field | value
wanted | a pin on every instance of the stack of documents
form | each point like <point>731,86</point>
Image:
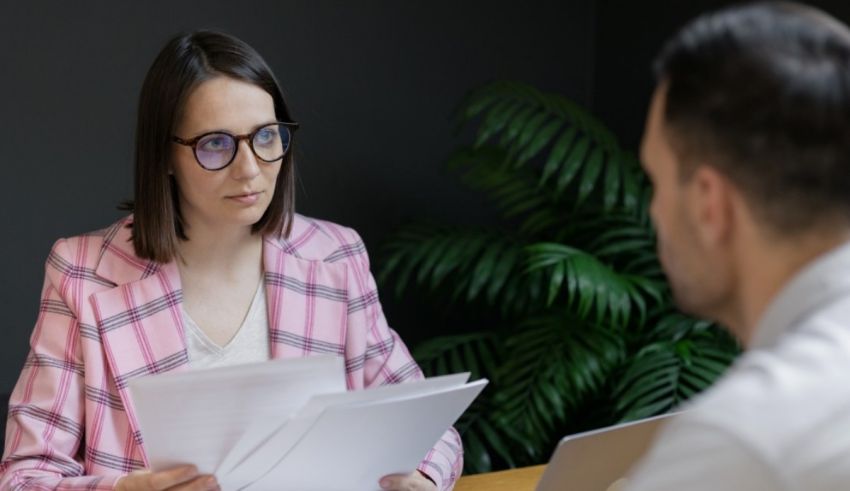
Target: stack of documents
<point>290,424</point>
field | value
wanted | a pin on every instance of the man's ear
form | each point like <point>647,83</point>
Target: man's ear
<point>710,200</point>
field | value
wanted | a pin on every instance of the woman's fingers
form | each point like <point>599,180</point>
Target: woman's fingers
<point>172,477</point>
<point>183,478</point>
<point>200,483</point>
<point>411,482</point>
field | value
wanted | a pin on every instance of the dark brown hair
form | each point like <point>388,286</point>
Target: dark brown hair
<point>763,91</point>
<point>185,62</point>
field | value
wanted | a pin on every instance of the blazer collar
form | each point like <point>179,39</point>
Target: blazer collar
<point>119,263</point>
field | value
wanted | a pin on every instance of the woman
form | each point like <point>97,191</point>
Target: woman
<point>212,268</point>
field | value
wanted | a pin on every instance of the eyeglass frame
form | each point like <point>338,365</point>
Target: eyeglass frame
<point>291,126</point>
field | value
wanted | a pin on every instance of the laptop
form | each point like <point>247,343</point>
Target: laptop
<point>599,460</point>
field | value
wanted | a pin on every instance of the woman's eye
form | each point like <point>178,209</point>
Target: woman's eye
<point>216,143</point>
<point>265,136</point>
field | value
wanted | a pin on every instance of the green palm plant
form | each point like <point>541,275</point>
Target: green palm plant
<point>586,333</point>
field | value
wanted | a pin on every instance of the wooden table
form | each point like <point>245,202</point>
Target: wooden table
<point>523,479</point>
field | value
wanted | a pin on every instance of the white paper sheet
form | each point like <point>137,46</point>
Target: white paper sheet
<point>291,424</point>
<point>349,447</point>
<point>264,444</point>
<point>197,417</point>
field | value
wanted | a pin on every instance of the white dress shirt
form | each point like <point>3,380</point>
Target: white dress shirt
<point>780,417</point>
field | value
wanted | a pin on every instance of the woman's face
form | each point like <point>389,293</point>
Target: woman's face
<point>238,195</point>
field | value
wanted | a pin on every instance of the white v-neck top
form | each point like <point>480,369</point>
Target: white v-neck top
<point>249,344</point>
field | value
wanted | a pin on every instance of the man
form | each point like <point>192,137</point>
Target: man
<point>748,148</point>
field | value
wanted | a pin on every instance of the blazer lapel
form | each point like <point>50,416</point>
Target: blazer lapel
<point>307,300</point>
<point>140,320</point>
<point>141,325</point>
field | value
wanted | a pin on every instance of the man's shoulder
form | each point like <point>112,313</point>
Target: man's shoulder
<point>784,401</point>
<point>766,385</point>
<point>779,419</point>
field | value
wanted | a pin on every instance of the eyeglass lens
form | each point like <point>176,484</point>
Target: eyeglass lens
<point>269,144</point>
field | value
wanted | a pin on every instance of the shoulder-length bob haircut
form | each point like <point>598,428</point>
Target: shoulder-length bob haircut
<point>183,64</point>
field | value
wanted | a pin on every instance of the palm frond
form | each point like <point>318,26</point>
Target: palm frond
<point>486,442</point>
<point>468,265</point>
<point>571,146</point>
<point>481,354</point>
<point>478,353</point>
<point>432,253</point>
<point>514,191</point>
<point>688,357</point>
<point>555,362</point>
<point>590,285</point>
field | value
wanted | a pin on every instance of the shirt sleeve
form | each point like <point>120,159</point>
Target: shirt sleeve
<point>388,361</point>
<point>700,456</point>
<point>45,427</point>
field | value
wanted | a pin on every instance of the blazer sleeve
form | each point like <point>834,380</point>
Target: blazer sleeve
<point>388,361</point>
<point>46,420</point>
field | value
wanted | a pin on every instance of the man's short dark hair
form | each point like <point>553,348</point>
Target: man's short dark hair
<point>762,92</point>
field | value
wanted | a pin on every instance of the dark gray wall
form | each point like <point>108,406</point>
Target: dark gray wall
<point>373,83</point>
<point>628,35</point>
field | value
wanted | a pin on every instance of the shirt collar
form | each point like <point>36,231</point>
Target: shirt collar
<point>820,282</point>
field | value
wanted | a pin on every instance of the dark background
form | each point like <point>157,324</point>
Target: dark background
<point>373,84</point>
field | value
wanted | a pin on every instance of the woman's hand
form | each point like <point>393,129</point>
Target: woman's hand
<point>414,481</point>
<point>183,478</point>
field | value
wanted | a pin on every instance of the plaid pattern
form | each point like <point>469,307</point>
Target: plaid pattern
<point>107,316</point>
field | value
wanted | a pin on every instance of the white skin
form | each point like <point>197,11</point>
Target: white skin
<point>722,261</point>
<point>221,263</point>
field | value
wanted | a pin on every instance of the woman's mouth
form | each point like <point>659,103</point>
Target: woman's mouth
<point>246,198</point>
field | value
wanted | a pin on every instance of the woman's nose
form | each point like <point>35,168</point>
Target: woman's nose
<point>245,165</point>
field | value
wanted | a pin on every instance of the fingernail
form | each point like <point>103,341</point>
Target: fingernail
<point>211,484</point>
<point>385,484</point>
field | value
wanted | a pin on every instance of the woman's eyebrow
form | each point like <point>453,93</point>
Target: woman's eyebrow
<point>265,124</point>
<point>225,130</point>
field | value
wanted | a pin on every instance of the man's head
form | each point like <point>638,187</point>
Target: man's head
<point>748,139</point>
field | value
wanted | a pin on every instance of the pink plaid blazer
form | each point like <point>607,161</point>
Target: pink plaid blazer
<point>107,316</point>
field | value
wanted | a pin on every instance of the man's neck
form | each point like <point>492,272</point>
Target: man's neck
<point>765,266</point>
